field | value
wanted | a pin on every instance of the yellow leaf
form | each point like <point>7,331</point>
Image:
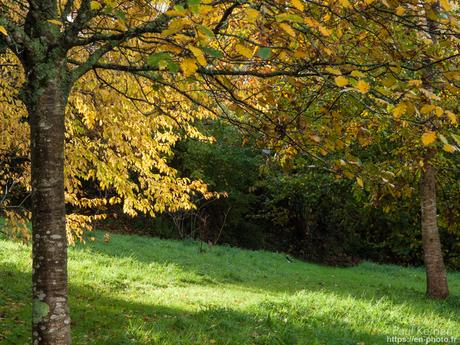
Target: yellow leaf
<point>360,182</point>
<point>427,108</point>
<point>288,29</point>
<point>399,110</point>
<point>54,22</point>
<point>199,55</point>
<point>339,33</point>
<point>448,148</point>
<point>3,30</point>
<point>363,87</point>
<point>324,31</point>
<point>389,81</point>
<point>176,13</point>
<point>327,51</point>
<point>345,3</point>
<point>298,4</point>
<point>415,82</point>
<point>341,81</point>
<point>455,75</point>
<point>334,71</point>
<point>428,138</point>
<point>95,5</point>
<point>357,74</point>
<point>175,26</point>
<point>300,53</point>
<point>439,111</point>
<point>400,10</point>
<point>395,69</point>
<point>311,22</point>
<point>446,5</point>
<point>244,51</point>
<point>188,66</point>
<point>452,117</point>
<point>205,9</point>
<point>252,14</point>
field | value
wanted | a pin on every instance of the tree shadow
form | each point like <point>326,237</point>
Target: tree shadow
<point>272,273</point>
<point>285,313</point>
<point>100,320</point>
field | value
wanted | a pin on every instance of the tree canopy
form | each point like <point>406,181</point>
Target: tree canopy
<point>116,84</point>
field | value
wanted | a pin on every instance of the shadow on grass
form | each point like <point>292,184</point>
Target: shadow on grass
<point>252,271</point>
<point>99,320</point>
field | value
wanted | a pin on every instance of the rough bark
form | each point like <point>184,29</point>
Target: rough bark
<point>45,95</point>
<point>436,277</point>
<point>46,101</point>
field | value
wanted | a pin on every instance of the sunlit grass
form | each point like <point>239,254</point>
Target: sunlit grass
<point>137,290</point>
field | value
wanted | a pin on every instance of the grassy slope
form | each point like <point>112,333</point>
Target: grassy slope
<point>138,290</point>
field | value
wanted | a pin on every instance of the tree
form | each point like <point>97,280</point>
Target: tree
<point>421,108</point>
<point>58,44</point>
<point>46,37</point>
<point>389,75</point>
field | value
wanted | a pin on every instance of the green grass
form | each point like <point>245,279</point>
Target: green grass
<point>137,290</point>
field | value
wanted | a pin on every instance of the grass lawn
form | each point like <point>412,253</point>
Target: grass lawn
<point>137,290</point>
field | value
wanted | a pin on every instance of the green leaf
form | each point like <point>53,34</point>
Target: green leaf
<point>179,8</point>
<point>173,67</point>
<point>286,17</point>
<point>154,60</point>
<point>205,30</point>
<point>443,139</point>
<point>456,138</point>
<point>194,5</point>
<point>121,15</point>
<point>212,52</point>
<point>264,52</point>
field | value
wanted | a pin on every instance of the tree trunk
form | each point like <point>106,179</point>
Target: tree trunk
<point>46,101</point>
<point>436,277</point>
